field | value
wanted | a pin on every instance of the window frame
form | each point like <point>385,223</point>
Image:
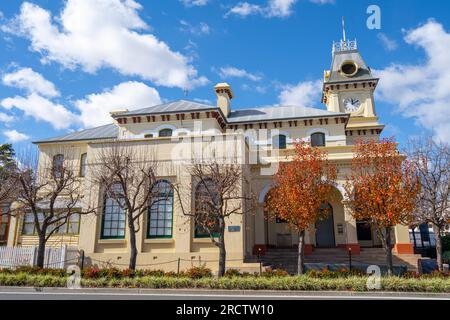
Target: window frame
<point>198,235</point>
<point>149,213</point>
<point>165,130</point>
<point>102,231</point>
<point>64,226</point>
<point>4,237</point>
<point>276,142</point>
<point>315,134</point>
<point>57,167</point>
<point>83,165</point>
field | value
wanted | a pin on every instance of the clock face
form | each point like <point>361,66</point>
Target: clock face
<point>351,104</point>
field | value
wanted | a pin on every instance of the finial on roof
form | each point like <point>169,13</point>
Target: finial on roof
<point>343,28</point>
<point>344,44</point>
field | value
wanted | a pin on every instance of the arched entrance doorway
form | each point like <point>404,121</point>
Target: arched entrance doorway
<point>277,232</point>
<point>325,229</point>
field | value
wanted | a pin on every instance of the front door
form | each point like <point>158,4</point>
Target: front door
<point>325,232</point>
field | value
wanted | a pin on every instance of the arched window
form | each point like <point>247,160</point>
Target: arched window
<point>165,133</point>
<point>113,222</point>
<point>318,139</point>
<point>58,162</point>
<point>279,141</point>
<point>160,213</point>
<point>83,164</point>
<point>206,196</point>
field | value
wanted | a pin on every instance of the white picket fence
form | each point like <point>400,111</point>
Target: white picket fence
<point>55,257</point>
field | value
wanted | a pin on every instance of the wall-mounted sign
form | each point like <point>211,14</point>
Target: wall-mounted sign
<point>340,228</point>
<point>234,228</point>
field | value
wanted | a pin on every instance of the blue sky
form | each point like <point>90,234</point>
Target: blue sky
<point>66,64</point>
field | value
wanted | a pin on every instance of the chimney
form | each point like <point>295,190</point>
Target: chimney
<point>116,112</point>
<point>224,96</point>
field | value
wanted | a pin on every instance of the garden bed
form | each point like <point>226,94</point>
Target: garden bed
<point>273,280</point>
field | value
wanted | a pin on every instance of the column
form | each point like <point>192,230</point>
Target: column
<point>308,242</point>
<point>260,246</point>
<point>350,232</point>
<point>402,243</point>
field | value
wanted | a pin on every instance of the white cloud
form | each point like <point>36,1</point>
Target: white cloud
<point>422,91</point>
<point>41,109</point>
<point>200,29</point>
<point>194,3</point>
<point>6,118</point>
<point>15,136</point>
<point>388,43</point>
<point>271,9</point>
<point>305,94</point>
<point>232,72</point>
<point>94,34</point>
<point>31,81</point>
<point>280,8</point>
<point>244,9</point>
<point>322,1</point>
<point>95,107</point>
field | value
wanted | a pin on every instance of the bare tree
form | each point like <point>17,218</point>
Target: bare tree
<point>432,163</point>
<point>219,193</point>
<point>51,193</point>
<point>127,175</point>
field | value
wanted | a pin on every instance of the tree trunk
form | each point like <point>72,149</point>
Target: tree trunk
<point>437,237</point>
<point>388,249</point>
<point>301,253</point>
<point>222,251</point>
<point>41,251</point>
<point>133,249</point>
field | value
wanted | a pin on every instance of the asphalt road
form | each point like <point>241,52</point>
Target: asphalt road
<point>14,293</point>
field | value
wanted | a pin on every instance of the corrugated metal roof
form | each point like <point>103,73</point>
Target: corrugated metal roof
<point>173,106</point>
<point>109,131</point>
<point>278,112</point>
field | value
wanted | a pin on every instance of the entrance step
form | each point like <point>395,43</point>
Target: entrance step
<point>286,258</point>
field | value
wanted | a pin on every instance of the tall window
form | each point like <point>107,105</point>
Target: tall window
<point>28,224</point>
<point>113,223</point>
<point>83,165</point>
<point>318,139</point>
<point>4,222</point>
<point>58,162</point>
<point>205,196</point>
<point>279,142</point>
<point>165,133</point>
<point>160,213</point>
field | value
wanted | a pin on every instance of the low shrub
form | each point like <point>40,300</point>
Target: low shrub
<point>233,273</point>
<point>342,273</point>
<point>91,273</point>
<point>275,273</point>
<point>299,283</point>
<point>198,272</point>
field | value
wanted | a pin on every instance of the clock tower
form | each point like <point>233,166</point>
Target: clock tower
<point>349,87</point>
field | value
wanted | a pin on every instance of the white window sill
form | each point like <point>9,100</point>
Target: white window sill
<point>161,240</point>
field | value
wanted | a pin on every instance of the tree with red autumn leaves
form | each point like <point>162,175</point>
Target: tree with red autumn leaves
<point>303,184</point>
<point>382,189</point>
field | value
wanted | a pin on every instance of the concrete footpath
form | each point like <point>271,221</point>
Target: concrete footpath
<point>29,293</point>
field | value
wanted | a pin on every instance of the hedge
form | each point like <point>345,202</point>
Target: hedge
<point>302,283</point>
